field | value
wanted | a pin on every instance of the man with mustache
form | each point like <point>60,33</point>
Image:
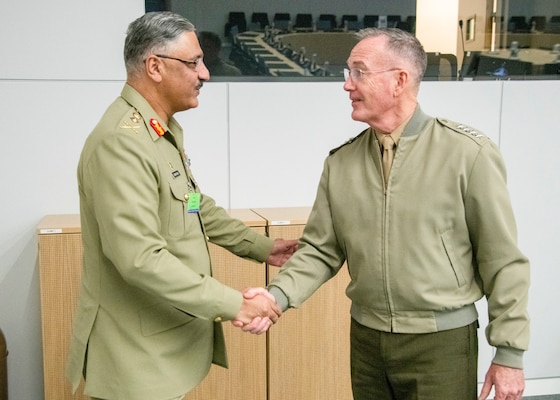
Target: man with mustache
<point>148,323</point>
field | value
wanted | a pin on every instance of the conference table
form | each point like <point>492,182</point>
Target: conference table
<point>328,50</point>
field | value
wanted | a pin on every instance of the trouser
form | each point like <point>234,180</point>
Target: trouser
<point>431,366</point>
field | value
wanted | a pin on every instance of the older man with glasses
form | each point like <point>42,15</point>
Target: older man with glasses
<point>419,210</point>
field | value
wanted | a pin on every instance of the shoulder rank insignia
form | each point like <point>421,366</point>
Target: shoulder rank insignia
<point>348,142</point>
<point>462,128</point>
<point>135,118</point>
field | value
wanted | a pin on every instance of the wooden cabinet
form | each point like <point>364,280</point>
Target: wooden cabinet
<point>309,347</point>
<point>60,268</point>
<point>304,356</point>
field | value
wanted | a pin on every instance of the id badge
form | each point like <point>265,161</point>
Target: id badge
<point>193,204</point>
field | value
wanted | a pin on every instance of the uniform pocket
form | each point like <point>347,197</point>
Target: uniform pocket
<point>161,317</point>
<point>447,239</point>
<point>177,208</point>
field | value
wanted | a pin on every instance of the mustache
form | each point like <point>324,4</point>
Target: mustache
<point>200,84</point>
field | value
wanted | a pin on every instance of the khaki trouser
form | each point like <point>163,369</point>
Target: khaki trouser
<point>432,366</point>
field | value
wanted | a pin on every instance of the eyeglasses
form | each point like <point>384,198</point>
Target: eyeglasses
<point>192,64</point>
<point>357,74</point>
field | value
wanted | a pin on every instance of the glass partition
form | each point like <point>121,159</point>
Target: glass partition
<point>259,40</point>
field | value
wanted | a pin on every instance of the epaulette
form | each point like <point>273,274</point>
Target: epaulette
<point>347,142</point>
<point>131,121</point>
<point>463,129</point>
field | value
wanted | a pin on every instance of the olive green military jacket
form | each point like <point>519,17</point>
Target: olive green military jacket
<point>147,319</point>
<point>422,253</point>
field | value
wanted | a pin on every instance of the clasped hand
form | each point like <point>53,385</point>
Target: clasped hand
<point>258,311</point>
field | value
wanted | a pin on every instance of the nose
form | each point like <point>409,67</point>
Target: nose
<point>348,84</point>
<point>203,73</point>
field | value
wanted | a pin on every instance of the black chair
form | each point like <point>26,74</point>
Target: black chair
<point>539,23</point>
<point>237,19</point>
<point>441,67</point>
<point>282,21</point>
<point>553,26</point>
<point>393,20</point>
<point>518,23</point>
<point>411,20</point>
<point>326,22</point>
<point>347,18</point>
<point>303,22</point>
<point>260,19</point>
<point>552,69</point>
<point>370,21</point>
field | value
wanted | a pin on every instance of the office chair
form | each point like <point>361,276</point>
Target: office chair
<point>552,69</point>
<point>393,20</point>
<point>519,24</point>
<point>303,21</point>
<point>261,19</point>
<point>347,18</point>
<point>539,22</point>
<point>370,21</point>
<point>326,22</point>
<point>282,21</point>
<point>237,19</point>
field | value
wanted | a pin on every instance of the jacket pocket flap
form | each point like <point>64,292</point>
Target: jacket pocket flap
<point>162,317</point>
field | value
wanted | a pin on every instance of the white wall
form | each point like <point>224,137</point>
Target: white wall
<point>251,145</point>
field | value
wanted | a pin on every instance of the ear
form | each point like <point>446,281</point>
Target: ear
<point>154,68</point>
<point>402,81</point>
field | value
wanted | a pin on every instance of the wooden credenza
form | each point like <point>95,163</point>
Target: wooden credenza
<point>60,271</point>
<point>305,356</point>
<point>309,347</point>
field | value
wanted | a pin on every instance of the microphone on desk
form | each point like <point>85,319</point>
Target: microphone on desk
<point>461,72</point>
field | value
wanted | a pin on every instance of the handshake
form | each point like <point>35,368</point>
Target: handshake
<point>258,311</point>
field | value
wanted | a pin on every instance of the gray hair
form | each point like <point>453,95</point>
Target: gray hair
<point>152,33</point>
<point>402,44</point>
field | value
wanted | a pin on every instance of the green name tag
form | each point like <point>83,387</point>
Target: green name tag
<point>193,204</point>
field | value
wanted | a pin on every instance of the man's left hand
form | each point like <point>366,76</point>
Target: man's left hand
<point>281,252</point>
<point>509,383</point>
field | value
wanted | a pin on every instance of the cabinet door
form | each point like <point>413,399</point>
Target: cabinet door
<point>246,376</point>
<point>309,347</point>
<point>60,268</point>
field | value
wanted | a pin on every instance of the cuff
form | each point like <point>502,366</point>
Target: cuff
<point>509,357</point>
<point>261,246</point>
<point>281,298</point>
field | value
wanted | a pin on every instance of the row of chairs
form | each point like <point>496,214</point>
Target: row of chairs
<point>520,24</point>
<point>304,21</point>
